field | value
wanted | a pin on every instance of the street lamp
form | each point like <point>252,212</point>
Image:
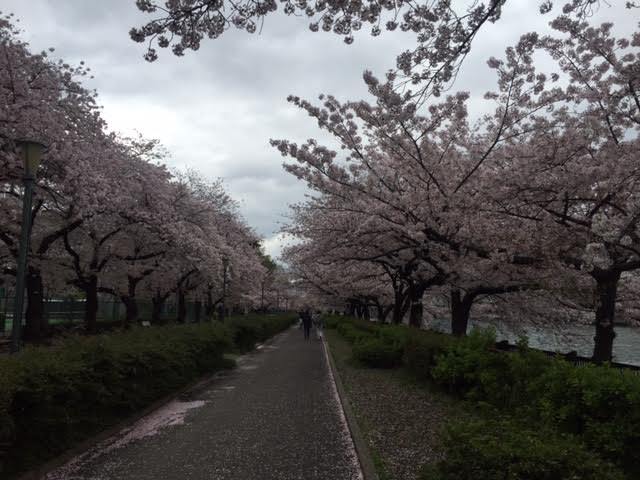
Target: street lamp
<point>31,153</point>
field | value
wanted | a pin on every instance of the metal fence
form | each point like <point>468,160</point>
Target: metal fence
<point>71,311</point>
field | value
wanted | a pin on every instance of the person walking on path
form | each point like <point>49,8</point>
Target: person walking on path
<point>305,315</point>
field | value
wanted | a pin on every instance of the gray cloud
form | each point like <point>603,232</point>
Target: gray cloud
<point>217,108</point>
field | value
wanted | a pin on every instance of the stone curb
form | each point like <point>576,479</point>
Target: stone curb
<point>364,455</point>
<point>40,472</point>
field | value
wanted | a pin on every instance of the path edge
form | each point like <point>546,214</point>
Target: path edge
<point>40,472</point>
<point>362,450</point>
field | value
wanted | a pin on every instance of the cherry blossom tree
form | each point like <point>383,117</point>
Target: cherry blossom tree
<point>42,99</point>
<point>108,217</point>
<point>574,174</point>
<point>444,30</point>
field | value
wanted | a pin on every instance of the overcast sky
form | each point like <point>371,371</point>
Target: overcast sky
<point>216,109</point>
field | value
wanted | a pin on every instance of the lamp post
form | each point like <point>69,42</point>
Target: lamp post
<point>31,152</point>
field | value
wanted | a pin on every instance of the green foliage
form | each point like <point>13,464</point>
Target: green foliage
<point>352,333</point>
<point>472,368</point>
<point>53,397</point>
<point>506,449</point>
<point>250,329</point>
<point>332,321</point>
<point>599,403</point>
<point>421,350</point>
<point>377,353</point>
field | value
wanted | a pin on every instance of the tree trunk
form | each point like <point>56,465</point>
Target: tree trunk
<point>400,306</point>
<point>210,308</point>
<point>131,310</point>
<point>366,314</point>
<point>606,291</point>
<point>36,326</point>
<point>91,304</point>
<point>182,307</point>
<point>415,313</point>
<point>157,304</point>
<point>383,313</point>
<point>197,310</point>
<point>460,309</point>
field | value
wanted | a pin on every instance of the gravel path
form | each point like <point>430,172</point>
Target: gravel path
<point>400,419</point>
<point>274,417</point>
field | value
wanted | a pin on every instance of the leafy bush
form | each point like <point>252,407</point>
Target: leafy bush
<point>395,335</point>
<point>248,330</point>
<point>332,321</point>
<point>377,353</point>
<point>599,403</point>
<point>505,449</point>
<point>351,333</point>
<point>53,397</point>
<point>421,351</point>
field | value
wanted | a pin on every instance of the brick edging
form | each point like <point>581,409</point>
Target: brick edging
<point>362,450</point>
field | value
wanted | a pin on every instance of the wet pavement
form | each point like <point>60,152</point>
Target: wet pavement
<point>276,416</point>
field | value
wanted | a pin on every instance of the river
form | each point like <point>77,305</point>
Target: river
<point>626,346</point>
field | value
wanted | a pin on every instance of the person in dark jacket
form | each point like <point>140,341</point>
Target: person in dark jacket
<point>305,316</point>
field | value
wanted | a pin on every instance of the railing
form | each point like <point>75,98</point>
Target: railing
<point>66,311</point>
<point>572,357</point>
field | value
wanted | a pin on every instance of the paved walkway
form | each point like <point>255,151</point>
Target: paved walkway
<point>277,416</point>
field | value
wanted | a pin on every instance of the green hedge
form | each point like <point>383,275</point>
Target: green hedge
<point>505,449</point>
<point>600,404</point>
<point>250,329</point>
<point>53,397</point>
<point>376,353</point>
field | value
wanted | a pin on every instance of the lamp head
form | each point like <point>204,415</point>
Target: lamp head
<point>31,153</point>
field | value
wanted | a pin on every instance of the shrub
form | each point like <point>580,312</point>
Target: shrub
<point>506,449</point>
<point>332,321</point>
<point>394,335</point>
<point>421,351</point>
<point>351,333</point>
<point>462,365</point>
<point>248,330</point>
<point>599,403</point>
<point>375,352</point>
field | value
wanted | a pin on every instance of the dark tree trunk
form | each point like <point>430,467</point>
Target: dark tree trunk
<point>606,292</point>
<point>383,313</point>
<point>130,302</point>
<point>91,305</point>
<point>182,307</point>
<point>400,306</point>
<point>36,326</point>
<point>416,293</point>
<point>197,310</point>
<point>157,305</point>
<point>366,314</point>
<point>131,310</point>
<point>460,309</point>
<point>210,307</point>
